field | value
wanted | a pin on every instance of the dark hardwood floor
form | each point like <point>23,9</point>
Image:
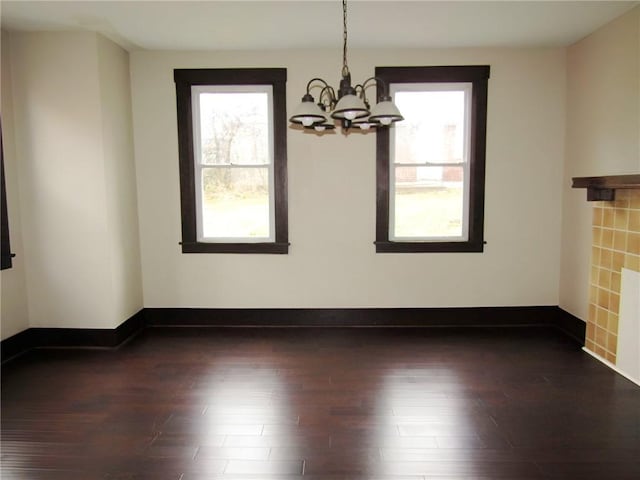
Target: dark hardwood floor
<point>320,404</point>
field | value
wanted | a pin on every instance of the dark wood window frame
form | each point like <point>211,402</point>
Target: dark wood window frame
<point>276,78</point>
<point>478,76</point>
<point>5,252</point>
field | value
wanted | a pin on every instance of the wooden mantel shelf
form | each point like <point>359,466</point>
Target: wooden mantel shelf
<point>604,188</point>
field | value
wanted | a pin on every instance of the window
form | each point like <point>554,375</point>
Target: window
<point>5,253</point>
<point>233,163</point>
<point>431,166</point>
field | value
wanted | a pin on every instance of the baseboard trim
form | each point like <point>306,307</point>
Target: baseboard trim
<point>570,325</point>
<point>17,344</point>
<point>463,317</point>
<point>130,328</point>
<point>350,317</point>
<point>71,337</point>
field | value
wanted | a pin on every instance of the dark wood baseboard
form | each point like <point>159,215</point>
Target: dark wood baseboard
<point>17,344</point>
<point>71,337</point>
<point>350,317</point>
<point>129,329</point>
<point>528,316</point>
<point>570,325</point>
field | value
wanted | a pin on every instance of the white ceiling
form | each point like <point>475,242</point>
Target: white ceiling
<point>215,25</point>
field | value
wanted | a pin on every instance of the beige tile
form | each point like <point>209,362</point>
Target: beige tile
<point>606,238</point>
<point>607,217</point>
<point>621,219</point>
<point>601,337</point>
<point>610,357</point>
<point>596,236</point>
<point>590,344</point>
<point>604,279</point>
<point>617,261</point>
<point>614,303</point>
<point>603,298</point>
<point>593,279</point>
<point>634,199</point>
<point>597,216</point>
<point>595,255</point>
<point>634,221</point>
<point>612,343</point>
<point>633,243</point>
<point>616,278</point>
<point>593,294</point>
<point>606,257</point>
<point>591,330</point>
<point>602,317</point>
<point>632,262</point>
<point>619,240</point>
<point>613,323</point>
<point>600,351</point>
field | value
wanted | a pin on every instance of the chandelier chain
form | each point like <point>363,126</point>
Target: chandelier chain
<point>345,67</point>
<point>346,104</point>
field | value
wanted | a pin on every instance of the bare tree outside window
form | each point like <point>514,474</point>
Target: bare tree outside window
<point>235,133</point>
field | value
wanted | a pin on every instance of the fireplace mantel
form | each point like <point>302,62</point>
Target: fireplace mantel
<point>604,188</point>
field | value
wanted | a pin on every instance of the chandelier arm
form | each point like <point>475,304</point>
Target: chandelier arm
<point>331,95</point>
<point>380,82</point>
<point>363,94</point>
<point>317,79</point>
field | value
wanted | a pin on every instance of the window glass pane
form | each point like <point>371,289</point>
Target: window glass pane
<point>428,202</point>
<point>235,203</point>
<point>234,128</point>
<point>433,128</point>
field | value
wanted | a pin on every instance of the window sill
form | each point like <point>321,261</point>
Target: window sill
<point>426,247</point>
<point>269,248</point>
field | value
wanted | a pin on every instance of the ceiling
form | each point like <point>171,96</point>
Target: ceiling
<point>240,25</point>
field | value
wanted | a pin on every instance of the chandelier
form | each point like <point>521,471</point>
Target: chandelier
<point>349,105</point>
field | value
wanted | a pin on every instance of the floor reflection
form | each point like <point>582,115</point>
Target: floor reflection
<point>249,406</point>
<point>431,410</point>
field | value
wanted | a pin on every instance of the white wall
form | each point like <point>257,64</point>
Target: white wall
<point>77,199</point>
<point>603,137</point>
<point>120,179</point>
<point>332,260</point>
<point>14,315</point>
<point>59,145</point>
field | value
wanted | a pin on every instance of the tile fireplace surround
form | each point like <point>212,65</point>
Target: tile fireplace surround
<point>615,245</point>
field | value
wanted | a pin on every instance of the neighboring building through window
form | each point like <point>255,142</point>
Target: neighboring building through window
<point>233,165</point>
<point>431,166</point>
